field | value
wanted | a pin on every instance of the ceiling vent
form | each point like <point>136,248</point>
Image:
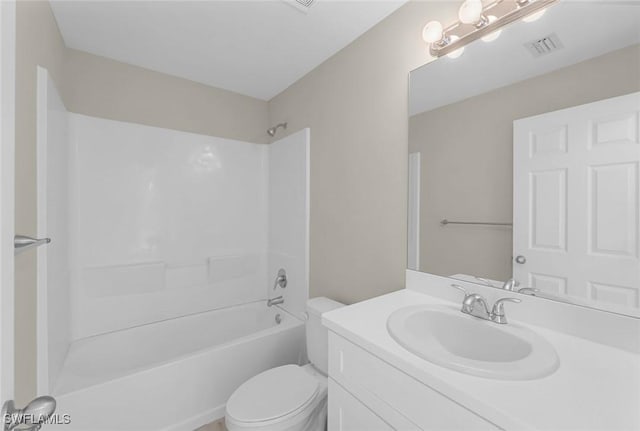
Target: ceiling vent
<point>301,5</point>
<point>544,46</point>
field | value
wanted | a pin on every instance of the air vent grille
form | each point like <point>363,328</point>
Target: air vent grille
<point>305,3</point>
<point>301,5</point>
<point>544,46</point>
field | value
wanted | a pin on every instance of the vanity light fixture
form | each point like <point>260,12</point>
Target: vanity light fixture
<point>492,36</point>
<point>471,13</point>
<point>477,21</point>
<point>534,16</point>
<point>458,52</point>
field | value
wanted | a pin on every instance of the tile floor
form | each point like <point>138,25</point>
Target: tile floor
<point>214,426</point>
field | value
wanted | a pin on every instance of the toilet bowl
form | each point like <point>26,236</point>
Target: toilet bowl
<point>290,397</point>
<point>287,398</point>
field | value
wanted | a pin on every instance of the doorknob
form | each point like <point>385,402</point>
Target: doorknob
<point>521,259</point>
<point>36,413</point>
<point>23,242</point>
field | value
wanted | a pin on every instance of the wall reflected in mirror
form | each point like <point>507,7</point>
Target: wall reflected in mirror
<point>524,159</point>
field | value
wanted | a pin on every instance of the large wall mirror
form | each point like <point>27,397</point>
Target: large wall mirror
<point>524,159</point>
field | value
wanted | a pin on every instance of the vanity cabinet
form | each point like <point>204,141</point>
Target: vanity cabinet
<point>366,393</point>
<point>347,413</point>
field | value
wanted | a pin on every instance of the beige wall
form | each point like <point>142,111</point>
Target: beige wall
<point>106,88</point>
<point>356,105</point>
<point>100,87</point>
<point>467,171</point>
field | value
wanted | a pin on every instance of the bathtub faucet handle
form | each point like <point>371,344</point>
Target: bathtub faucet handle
<point>281,279</point>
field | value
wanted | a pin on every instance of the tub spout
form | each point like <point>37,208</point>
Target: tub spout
<point>275,301</point>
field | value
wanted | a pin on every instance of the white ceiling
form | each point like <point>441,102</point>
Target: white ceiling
<point>256,48</point>
<point>586,28</point>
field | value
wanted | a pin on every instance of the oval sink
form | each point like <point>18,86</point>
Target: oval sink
<point>447,337</point>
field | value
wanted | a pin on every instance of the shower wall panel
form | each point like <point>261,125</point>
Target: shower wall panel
<point>165,224</point>
<point>289,218</point>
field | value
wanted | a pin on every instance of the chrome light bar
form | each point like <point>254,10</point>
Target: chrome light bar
<point>487,20</point>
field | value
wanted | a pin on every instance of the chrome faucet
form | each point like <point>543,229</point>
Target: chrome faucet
<point>475,305</point>
<point>275,301</point>
<point>497,312</point>
<point>510,284</point>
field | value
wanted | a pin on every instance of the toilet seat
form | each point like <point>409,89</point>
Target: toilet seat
<point>273,396</point>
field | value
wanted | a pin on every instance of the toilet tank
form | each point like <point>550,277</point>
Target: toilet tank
<point>318,335</point>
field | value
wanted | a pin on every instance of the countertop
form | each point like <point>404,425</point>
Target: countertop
<point>596,387</point>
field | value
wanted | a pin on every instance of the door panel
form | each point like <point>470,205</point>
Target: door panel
<point>548,210</point>
<point>613,217</point>
<point>577,203</point>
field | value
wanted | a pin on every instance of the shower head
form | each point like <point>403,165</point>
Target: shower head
<point>272,131</point>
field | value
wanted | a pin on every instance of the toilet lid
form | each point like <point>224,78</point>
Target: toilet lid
<point>272,394</point>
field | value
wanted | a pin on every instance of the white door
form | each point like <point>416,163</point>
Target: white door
<point>7,139</point>
<point>576,197</point>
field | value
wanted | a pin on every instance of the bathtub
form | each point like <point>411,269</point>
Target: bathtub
<point>174,375</point>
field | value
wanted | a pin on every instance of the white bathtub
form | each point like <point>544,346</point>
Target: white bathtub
<point>174,375</point>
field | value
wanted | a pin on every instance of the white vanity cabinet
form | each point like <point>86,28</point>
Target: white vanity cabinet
<point>347,413</point>
<point>366,393</point>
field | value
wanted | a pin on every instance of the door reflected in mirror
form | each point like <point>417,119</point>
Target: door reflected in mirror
<point>524,167</point>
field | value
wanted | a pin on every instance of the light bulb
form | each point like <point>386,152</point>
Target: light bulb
<point>534,17</point>
<point>492,36</point>
<point>458,52</point>
<point>432,32</point>
<point>470,11</point>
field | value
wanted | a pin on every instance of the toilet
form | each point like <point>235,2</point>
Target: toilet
<point>290,397</point>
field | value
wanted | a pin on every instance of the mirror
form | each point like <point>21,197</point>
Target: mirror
<point>524,159</point>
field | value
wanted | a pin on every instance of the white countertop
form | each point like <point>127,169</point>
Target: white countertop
<point>596,387</point>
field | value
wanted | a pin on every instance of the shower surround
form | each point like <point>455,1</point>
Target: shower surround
<point>165,247</point>
<point>175,222</point>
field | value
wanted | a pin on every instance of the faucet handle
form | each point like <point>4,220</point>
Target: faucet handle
<point>281,279</point>
<point>529,291</point>
<point>497,312</point>
<point>462,289</point>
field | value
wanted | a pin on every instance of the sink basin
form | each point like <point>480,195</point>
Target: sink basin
<point>447,337</point>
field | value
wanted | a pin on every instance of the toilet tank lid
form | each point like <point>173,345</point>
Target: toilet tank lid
<point>321,305</point>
